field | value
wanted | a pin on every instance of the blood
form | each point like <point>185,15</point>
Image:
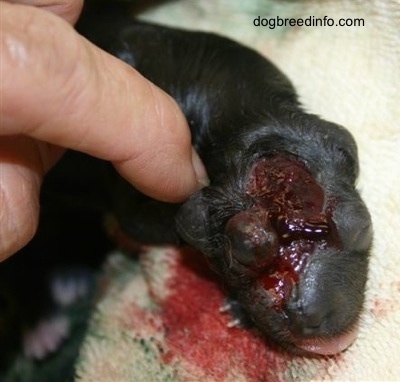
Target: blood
<point>280,278</point>
<point>199,338</point>
<point>286,188</point>
<point>297,210</point>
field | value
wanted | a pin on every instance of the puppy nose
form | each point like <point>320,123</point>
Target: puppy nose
<point>307,321</point>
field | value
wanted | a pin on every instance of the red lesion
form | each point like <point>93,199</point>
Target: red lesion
<point>286,188</point>
<point>283,275</point>
<point>297,211</point>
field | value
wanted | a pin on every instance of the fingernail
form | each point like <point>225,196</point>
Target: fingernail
<point>199,169</point>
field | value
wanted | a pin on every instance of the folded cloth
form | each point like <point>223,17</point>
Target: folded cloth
<point>159,317</point>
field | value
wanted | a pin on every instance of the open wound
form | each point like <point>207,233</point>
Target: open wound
<point>289,219</point>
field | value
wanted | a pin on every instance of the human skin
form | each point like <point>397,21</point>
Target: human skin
<point>60,91</point>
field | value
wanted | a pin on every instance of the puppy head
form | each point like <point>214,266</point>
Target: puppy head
<point>293,254</point>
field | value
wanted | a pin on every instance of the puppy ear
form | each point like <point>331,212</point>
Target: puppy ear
<point>354,224</point>
<point>192,222</point>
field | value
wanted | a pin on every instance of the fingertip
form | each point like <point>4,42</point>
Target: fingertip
<point>164,176</point>
<point>185,178</point>
<point>164,165</point>
<point>160,160</point>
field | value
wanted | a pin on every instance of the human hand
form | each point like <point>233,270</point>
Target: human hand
<point>60,91</point>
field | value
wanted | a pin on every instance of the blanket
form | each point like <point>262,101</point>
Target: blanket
<point>159,317</point>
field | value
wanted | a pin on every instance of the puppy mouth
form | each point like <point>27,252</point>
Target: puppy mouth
<point>327,346</point>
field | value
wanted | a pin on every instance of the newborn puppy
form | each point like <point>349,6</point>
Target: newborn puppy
<point>281,222</point>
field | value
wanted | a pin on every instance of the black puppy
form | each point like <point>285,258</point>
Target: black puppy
<point>281,221</point>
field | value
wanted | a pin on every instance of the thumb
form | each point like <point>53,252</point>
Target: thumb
<point>77,96</point>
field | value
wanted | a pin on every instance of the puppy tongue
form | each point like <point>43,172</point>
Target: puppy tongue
<point>328,346</point>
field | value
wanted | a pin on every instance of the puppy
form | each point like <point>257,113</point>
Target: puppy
<point>281,221</point>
